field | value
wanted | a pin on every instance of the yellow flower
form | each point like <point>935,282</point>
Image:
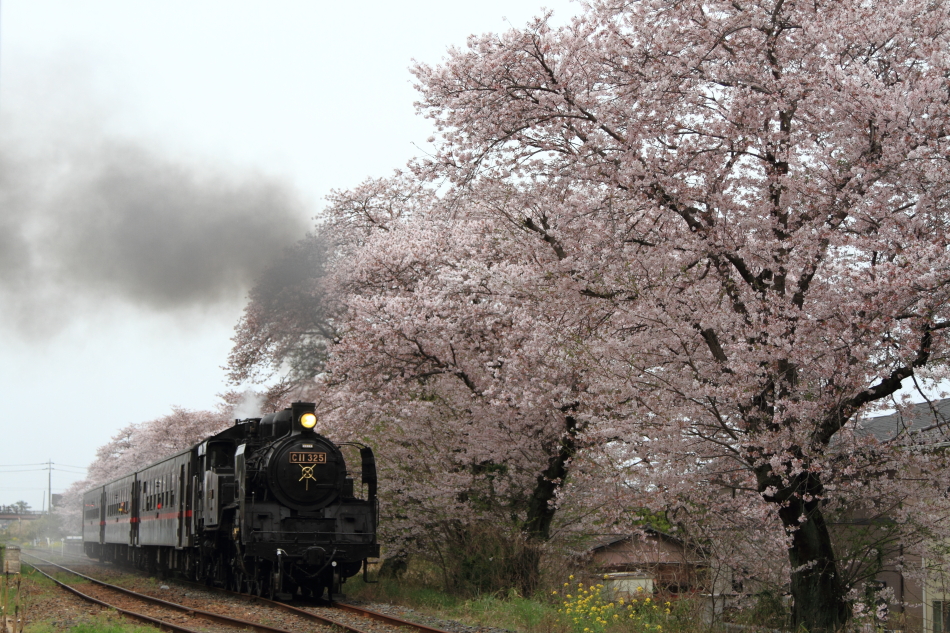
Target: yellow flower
<point>571,577</point>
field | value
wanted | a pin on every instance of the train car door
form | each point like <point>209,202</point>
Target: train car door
<point>102,517</point>
<point>181,506</point>
<point>189,500</point>
<point>134,509</point>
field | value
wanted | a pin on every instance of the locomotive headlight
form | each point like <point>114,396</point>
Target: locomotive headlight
<point>308,420</point>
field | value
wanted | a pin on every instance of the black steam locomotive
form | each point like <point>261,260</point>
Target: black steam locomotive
<point>265,507</point>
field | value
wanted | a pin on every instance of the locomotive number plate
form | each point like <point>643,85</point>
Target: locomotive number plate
<point>308,458</point>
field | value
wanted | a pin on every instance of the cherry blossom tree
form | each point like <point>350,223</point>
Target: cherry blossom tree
<point>281,338</point>
<point>446,359</point>
<point>139,444</point>
<point>745,203</point>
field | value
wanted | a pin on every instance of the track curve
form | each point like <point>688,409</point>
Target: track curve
<point>352,610</point>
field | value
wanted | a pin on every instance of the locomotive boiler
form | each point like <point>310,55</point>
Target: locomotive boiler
<point>267,506</point>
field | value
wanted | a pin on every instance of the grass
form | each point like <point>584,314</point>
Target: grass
<point>572,608</point>
<point>511,612</point>
<point>41,589</point>
<point>102,623</point>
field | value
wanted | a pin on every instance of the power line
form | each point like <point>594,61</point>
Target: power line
<point>19,488</point>
<point>43,464</point>
<point>44,468</point>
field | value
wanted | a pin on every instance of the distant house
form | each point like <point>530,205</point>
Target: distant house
<point>929,420</point>
<point>647,561</point>
<point>917,607</point>
<point>656,561</point>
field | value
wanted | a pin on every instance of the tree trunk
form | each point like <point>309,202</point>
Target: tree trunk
<point>819,595</point>
<point>540,514</point>
<point>540,510</point>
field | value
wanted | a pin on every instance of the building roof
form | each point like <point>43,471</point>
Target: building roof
<point>594,542</point>
<point>925,422</point>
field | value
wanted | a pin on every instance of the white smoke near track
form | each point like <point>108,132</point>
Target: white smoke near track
<point>249,406</point>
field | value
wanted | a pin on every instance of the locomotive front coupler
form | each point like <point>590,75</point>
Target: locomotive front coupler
<point>316,555</point>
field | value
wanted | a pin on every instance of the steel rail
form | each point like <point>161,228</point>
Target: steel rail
<point>342,606</point>
<point>141,617</point>
<point>349,608</point>
<point>388,619</point>
<point>207,615</point>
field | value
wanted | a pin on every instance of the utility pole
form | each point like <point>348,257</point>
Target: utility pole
<point>49,485</point>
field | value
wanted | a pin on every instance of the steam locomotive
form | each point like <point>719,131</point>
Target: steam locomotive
<point>266,506</point>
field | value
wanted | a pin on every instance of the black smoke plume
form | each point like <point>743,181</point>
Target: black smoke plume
<point>82,227</point>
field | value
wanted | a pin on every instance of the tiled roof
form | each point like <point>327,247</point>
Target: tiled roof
<point>911,421</point>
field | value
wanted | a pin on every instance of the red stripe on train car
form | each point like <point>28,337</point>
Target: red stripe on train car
<point>162,516</point>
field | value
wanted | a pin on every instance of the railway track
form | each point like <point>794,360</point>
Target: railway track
<point>348,617</point>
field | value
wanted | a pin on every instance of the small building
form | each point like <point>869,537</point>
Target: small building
<point>11,560</point>
<point>648,561</point>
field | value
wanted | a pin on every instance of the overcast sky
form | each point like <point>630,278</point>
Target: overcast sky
<point>153,156</point>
